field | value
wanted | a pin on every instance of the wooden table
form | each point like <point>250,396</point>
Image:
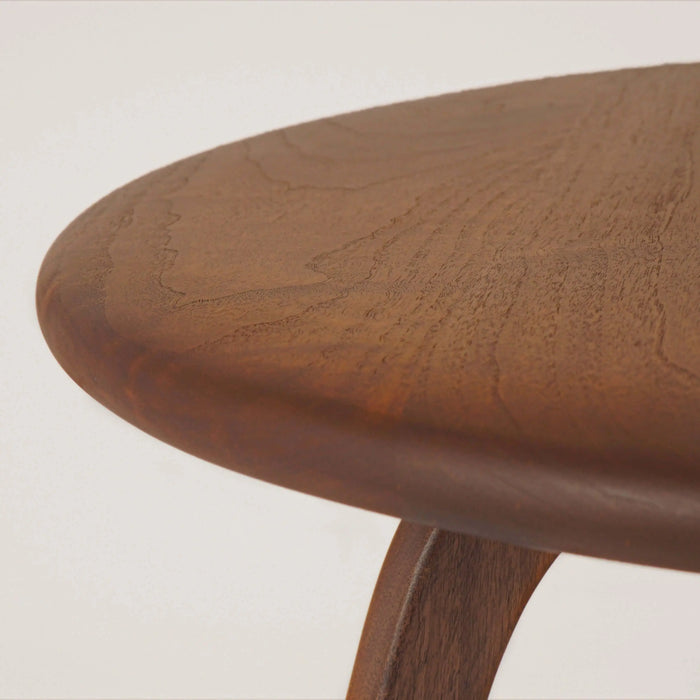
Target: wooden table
<point>479,312</point>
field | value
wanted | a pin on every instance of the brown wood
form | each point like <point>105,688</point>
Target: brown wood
<point>443,610</point>
<point>478,311</point>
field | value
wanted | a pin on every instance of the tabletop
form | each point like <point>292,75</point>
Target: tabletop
<point>479,311</point>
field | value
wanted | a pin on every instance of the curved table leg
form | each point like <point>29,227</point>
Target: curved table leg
<point>443,610</point>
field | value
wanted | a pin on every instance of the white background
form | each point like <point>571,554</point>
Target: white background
<point>130,569</point>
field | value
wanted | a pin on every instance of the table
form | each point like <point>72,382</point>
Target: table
<point>479,312</point>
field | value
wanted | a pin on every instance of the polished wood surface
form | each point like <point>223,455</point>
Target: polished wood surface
<point>443,610</point>
<point>478,311</point>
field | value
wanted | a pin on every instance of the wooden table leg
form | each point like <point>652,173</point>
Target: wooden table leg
<point>443,610</point>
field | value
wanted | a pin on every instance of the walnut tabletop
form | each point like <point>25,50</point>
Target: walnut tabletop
<point>478,311</point>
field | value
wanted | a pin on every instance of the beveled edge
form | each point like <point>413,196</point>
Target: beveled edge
<point>622,508</point>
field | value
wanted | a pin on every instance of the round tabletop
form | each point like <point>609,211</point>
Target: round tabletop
<point>479,311</point>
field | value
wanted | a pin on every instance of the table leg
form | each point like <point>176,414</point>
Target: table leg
<point>443,610</point>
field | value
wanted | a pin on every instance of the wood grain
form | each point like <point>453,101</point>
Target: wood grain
<point>478,311</point>
<point>443,610</point>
